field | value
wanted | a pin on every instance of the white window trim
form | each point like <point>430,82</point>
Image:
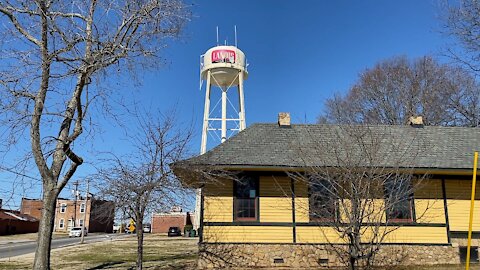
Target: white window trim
<point>80,222</point>
<point>61,224</point>
<point>62,209</point>
<point>82,208</point>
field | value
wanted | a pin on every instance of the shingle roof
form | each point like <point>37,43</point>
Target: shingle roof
<point>15,215</point>
<point>331,145</point>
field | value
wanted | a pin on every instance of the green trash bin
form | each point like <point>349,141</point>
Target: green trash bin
<point>192,233</point>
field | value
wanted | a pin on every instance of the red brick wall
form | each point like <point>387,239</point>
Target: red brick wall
<point>10,226</point>
<point>32,207</point>
<point>161,223</point>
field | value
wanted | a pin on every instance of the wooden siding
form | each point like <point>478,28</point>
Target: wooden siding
<point>458,202</point>
<point>275,199</point>
<point>218,202</point>
<point>402,235</point>
<point>418,235</point>
<point>247,234</point>
<point>301,202</point>
<point>275,205</point>
<point>429,204</point>
<point>314,234</point>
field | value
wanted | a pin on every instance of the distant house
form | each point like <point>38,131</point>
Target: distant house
<point>264,219</point>
<point>162,221</point>
<point>13,222</point>
<point>97,215</point>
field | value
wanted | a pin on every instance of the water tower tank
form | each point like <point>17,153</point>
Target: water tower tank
<point>224,63</point>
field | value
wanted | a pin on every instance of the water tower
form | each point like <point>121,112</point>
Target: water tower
<point>224,69</point>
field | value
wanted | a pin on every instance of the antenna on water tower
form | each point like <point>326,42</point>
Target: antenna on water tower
<point>223,68</point>
<point>236,36</point>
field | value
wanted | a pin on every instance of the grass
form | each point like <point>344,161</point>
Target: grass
<point>14,265</point>
<point>160,252</point>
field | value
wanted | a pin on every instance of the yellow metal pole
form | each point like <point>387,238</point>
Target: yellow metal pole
<point>474,180</point>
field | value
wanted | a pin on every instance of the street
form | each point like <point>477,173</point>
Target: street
<point>21,248</point>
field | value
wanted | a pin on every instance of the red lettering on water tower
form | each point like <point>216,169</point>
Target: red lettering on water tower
<point>224,56</point>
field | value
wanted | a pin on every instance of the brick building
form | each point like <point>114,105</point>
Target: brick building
<point>13,222</point>
<point>162,221</point>
<point>97,215</point>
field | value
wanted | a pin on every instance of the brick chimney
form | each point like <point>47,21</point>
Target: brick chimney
<point>284,119</point>
<point>415,121</point>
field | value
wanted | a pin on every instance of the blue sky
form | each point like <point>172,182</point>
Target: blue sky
<point>300,53</point>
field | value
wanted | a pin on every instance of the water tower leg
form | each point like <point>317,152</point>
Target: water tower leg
<point>224,114</point>
<point>206,115</point>
<point>241,100</point>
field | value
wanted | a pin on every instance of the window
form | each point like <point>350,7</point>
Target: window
<point>246,199</point>
<point>63,208</point>
<point>82,208</point>
<point>322,201</point>
<point>80,222</point>
<point>61,224</point>
<point>399,200</point>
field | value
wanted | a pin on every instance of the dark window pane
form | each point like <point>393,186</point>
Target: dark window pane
<point>246,195</point>
<point>398,199</point>
<point>322,200</point>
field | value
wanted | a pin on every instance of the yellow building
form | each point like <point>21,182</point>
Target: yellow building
<point>257,211</point>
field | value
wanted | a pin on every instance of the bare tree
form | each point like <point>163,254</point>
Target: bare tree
<point>396,89</point>
<point>361,188</point>
<point>51,52</point>
<point>461,21</point>
<point>143,181</point>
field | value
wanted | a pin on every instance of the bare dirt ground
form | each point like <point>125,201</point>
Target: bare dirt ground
<point>160,252</point>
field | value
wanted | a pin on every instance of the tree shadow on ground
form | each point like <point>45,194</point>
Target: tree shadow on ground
<point>105,265</point>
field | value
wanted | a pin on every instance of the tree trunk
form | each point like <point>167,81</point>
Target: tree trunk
<point>139,228</point>
<point>45,229</point>
<point>352,263</point>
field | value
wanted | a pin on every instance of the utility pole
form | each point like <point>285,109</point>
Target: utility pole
<point>75,203</point>
<point>84,214</point>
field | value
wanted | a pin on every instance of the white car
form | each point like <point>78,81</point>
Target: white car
<point>77,232</point>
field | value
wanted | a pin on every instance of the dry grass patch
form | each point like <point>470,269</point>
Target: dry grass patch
<point>160,252</point>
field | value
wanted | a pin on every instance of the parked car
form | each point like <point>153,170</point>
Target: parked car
<point>77,232</point>
<point>116,227</point>
<point>174,231</point>
<point>147,228</point>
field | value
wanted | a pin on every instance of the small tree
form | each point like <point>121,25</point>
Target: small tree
<point>142,181</point>
<point>51,53</point>
<point>360,186</point>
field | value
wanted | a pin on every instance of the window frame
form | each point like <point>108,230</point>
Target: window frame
<point>63,208</point>
<point>83,208</point>
<point>61,223</point>
<point>311,216</point>
<point>236,218</point>
<point>409,200</point>
<point>81,222</point>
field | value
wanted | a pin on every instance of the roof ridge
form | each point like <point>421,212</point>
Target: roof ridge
<point>362,125</point>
